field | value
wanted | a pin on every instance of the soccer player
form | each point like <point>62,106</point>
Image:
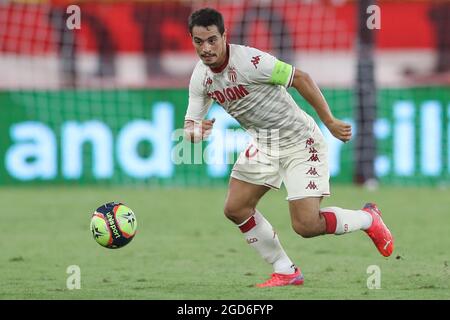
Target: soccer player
<point>287,146</point>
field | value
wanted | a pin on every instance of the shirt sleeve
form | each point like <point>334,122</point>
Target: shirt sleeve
<point>199,102</point>
<point>269,70</point>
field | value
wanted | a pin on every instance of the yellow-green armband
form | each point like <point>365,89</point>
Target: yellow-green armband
<point>282,74</point>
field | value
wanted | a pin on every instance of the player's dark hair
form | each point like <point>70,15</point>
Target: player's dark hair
<point>206,17</point>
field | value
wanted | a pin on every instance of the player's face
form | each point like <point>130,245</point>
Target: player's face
<point>210,45</point>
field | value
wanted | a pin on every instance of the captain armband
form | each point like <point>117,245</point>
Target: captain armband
<point>282,74</point>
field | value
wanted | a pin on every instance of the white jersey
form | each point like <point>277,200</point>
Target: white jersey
<point>251,87</point>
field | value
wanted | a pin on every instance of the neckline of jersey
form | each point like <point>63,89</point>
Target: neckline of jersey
<point>224,64</point>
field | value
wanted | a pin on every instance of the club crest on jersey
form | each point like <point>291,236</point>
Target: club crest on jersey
<point>207,82</point>
<point>232,74</point>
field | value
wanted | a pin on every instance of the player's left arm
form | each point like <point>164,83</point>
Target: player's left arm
<point>306,86</point>
<point>265,68</point>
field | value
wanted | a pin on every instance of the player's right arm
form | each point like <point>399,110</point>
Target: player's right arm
<point>197,131</point>
<point>195,127</point>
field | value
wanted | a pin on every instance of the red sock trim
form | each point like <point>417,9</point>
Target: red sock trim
<point>330,222</point>
<point>248,225</point>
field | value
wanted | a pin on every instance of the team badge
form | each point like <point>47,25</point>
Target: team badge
<point>207,82</point>
<point>232,74</point>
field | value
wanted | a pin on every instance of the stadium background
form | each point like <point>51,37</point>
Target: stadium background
<point>87,116</point>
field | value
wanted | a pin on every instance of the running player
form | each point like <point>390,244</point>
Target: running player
<point>288,146</point>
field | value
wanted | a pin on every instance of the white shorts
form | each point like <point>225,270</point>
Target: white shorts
<point>303,172</point>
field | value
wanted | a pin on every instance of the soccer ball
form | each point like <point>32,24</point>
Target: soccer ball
<point>113,225</point>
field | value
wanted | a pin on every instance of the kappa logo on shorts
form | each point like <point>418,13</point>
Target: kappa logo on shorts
<point>314,157</point>
<point>312,172</point>
<point>311,186</point>
<point>312,150</point>
<point>309,142</point>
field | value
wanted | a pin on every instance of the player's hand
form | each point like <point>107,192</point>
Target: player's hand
<point>197,131</point>
<point>340,129</point>
<point>207,126</point>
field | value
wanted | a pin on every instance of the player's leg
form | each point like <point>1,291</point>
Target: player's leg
<point>305,218</point>
<point>308,220</point>
<point>242,199</point>
<point>252,176</point>
<point>240,207</point>
<point>306,177</point>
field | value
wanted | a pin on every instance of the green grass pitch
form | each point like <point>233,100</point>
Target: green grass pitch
<point>186,249</point>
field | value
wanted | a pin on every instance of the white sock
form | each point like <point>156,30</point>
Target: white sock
<point>344,220</point>
<point>260,235</point>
